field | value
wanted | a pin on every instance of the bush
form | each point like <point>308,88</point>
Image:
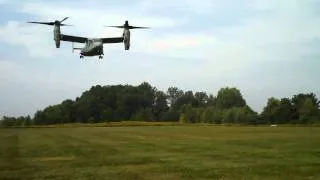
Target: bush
<point>144,115</point>
<point>170,116</point>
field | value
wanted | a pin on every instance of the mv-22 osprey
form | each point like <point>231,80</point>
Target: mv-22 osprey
<point>93,46</point>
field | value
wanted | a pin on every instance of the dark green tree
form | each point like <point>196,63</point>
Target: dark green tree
<point>299,100</point>
<point>308,112</point>
<point>201,99</point>
<point>212,101</point>
<point>173,94</point>
<point>108,115</point>
<point>144,114</point>
<point>7,121</point>
<point>188,114</point>
<point>285,111</point>
<point>185,99</point>
<point>229,98</point>
<point>271,111</point>
<point>160,105</point>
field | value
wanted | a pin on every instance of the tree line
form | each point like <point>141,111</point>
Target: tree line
<point>146,103</point>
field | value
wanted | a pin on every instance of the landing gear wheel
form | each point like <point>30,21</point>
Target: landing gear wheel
<point>81,57</point>
<point>100,57</point>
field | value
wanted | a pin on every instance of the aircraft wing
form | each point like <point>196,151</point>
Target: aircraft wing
<point>73,38</point>
<point>112,40</point>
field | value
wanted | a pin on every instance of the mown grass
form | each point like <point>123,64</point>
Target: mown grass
<point>160,152</point>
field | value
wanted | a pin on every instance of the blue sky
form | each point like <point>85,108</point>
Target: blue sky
<point>266,48</point>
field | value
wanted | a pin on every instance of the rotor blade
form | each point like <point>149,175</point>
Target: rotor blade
<point>66,25</point>
<point>64,19</point>
<point>116,26</point>
<point>129,27</point>
<point>45,23</point>
<point>137,27</point>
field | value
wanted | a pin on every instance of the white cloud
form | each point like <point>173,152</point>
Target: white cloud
<point>34,39</point>
<point>278,36</point>
<point>30,86</point>
<point>200,6</point>
<point>188,45</point>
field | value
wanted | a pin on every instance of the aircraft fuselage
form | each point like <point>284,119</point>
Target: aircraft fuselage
<point>93,47</point>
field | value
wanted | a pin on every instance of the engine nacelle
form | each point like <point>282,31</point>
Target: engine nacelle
<point>126,39</point>
<point>57,35</point>
<point>57,43</point>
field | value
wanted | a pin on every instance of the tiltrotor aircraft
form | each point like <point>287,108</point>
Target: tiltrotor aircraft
<point>93,46</point>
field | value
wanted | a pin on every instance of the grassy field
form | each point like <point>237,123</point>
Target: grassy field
<point>160,152</point>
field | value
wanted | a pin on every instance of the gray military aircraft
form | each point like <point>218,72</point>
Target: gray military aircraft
<point>93,46</point>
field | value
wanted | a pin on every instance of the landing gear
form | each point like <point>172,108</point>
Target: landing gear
<point>81,57</point>
<point>101,54</point>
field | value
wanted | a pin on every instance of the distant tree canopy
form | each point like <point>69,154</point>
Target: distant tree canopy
<point>145,103</point>
<point>301,109</point>
<point>12,121</point>
<point>229,98</point>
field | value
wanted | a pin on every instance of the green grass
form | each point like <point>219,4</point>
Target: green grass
<point>160,152</point>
